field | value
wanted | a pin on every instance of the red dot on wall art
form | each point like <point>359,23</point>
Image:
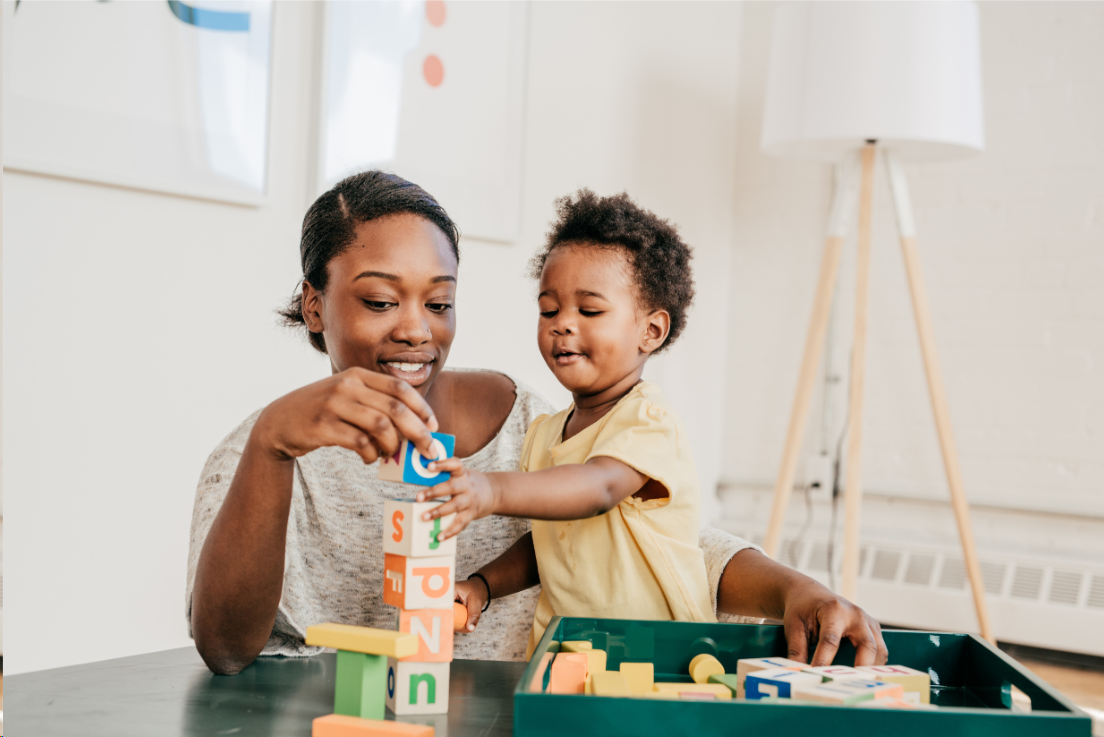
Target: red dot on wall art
<point>433,70</point>
<point>435,12</point>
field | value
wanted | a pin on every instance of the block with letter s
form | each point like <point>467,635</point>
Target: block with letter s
<point>405,533</point>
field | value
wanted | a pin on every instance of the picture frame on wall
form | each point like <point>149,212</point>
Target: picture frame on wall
<point>171,97</point>
<point>434,91</point>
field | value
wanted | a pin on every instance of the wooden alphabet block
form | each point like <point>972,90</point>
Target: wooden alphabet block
<point>836,672</point>
<point>406,533</point>
<point>417,688</point>
<point>729,680</point>
<point>609,683</point>
<point>917,684</point>
<point>407,465</point>
<point>569,674</point>
<point>719,690</point>
<point>575,646</point>
<point>434,630</point>
<point>748,665</point>
<point>361,681</point>
<point>368,640</point>
<point>776,682</point>
<point>641,677</point>
<point>849,691</point>
<point>697,696</point>
<point>339,725</point>
<point>894,704</point>
<point>703,666</point>
<point>418,583</point>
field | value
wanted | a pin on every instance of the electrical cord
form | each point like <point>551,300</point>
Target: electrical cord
<point>836,480</point>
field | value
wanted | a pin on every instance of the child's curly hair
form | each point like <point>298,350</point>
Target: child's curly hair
<point>660,259</point>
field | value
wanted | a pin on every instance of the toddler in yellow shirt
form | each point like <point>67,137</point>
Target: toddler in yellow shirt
<point>609,482</point>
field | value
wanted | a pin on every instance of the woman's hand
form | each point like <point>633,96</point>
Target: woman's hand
<point>366,412</point>
<point>753,585</point>
<point>472,594</point>
<point>813,614</point>
<point>473,496</point>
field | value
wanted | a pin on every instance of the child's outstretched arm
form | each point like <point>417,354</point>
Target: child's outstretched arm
<point>566,492</point>
<point>513,571</point>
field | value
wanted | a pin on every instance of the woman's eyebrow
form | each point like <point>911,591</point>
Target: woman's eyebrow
<point>446,277</point>
<point>378,275</point>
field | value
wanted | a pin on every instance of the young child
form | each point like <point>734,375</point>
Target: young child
<point>609,482</point>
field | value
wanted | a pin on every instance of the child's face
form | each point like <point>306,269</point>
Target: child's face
<point>592,331</point>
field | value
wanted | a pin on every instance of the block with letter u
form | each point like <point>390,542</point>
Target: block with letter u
<point>418,583</point>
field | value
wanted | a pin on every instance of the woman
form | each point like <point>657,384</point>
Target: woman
<point>287,526</point>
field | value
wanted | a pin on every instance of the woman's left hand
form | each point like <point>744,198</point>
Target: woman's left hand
<point>473,496</point>
<point>813,614</point>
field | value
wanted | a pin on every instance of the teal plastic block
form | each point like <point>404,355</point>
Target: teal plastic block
<point>361,688</point>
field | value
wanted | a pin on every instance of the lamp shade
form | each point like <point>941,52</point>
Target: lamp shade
<point>907,74</point>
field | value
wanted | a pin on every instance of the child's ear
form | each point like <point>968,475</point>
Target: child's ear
<point>657,325</point>
<point>312,308</point>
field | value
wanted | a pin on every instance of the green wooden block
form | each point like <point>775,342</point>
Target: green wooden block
<point>729,680</point>
<point>361,685</point>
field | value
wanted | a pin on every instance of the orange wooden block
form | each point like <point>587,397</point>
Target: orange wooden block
<point>569,673</point>
<point>459,616</point>
<point>418,583</point>
<point>339,725</point>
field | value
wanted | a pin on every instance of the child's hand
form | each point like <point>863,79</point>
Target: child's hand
<point>472,594</point>
<point>473,496</point>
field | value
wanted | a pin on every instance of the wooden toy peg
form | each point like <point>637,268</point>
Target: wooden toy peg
<point>569,674</point>
<point>703,666</point>
<point>459,616</point>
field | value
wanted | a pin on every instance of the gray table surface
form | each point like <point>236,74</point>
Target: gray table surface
<point>172,693</point>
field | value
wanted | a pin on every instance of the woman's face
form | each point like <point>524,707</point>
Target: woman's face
<point>388,306</point>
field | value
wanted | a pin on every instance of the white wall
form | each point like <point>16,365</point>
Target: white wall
<point>1011,244</point>
<point>139,328</point>
<point>138,331</point>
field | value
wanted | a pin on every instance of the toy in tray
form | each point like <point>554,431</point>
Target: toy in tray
<point>404,671</point>
<point>580,668</point>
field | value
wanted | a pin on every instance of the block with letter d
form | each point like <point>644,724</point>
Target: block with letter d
<point>409,466</point>
<point>417,688</point>
<point>405,533</point>
<point>434,630</point>
<point>418,583</point>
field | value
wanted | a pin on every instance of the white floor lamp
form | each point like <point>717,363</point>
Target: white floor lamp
<point>848,79</point>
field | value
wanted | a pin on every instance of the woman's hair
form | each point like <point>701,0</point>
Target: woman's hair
<point>659,258</point>
<point>329,228</point>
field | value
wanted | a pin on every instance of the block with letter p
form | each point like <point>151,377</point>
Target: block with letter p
<point>407,465</point>
<point>434,630</point>
<point>405,533</point>
<point>418,583</point>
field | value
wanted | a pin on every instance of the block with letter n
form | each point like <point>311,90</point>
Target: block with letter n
<point>417,688</point>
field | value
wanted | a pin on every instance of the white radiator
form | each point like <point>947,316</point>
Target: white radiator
<point>1032,601</point>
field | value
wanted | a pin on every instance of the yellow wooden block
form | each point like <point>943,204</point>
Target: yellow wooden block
<point>575,646</point>
<point>609,683</point>
<point>641,677</point>
<point>596,660</point>
<point>669,695</point>
<point>369,640</point>
<point>703,666</point>
<point>719,690</point>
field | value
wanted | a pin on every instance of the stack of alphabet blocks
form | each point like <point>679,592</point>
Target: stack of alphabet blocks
<point>405,670</point>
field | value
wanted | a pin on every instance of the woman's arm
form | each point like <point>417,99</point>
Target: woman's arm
<point>754,585</point>
<point>239,576</point>
<point>572,491</point>
<point>513,571</point>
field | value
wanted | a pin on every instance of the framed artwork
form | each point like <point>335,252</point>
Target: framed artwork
<point>434,92</point>
<point>166,96</point>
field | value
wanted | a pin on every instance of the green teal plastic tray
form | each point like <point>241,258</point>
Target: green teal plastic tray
<point>971,683</point>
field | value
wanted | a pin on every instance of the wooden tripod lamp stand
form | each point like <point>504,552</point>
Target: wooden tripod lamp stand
<point>847,80</point>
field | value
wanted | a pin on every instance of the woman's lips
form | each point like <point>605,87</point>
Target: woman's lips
<point>413,373</point>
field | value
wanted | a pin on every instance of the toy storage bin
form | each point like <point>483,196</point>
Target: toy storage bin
<point>971,683</point>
